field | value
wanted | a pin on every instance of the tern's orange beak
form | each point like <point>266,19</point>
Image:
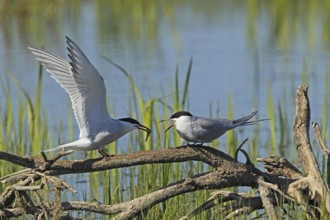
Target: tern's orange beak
<point>169,126</point>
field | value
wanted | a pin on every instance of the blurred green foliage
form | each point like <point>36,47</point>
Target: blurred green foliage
<point>287,20</point>
<point>25,130</point>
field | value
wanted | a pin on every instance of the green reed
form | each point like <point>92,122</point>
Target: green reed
<point>231,138</point>
<point>325,106</point>
<point>324,121</point>
<point>271,113</point>
<point>25,130</point>
<point>21,133</point>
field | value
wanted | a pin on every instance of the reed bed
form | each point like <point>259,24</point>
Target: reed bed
<point>25,130</point>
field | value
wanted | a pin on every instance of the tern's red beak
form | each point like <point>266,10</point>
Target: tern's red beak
<point>169,126</point>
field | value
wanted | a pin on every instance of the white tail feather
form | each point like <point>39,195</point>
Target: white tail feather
<point>54,149</point>
<point>245,120</point>
<point>242,121</point>
<point>255,122</point>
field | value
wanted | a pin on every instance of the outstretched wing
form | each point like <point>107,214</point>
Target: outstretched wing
<point>82,82</point>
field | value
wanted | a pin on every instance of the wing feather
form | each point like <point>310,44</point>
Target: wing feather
<point>82,82</point>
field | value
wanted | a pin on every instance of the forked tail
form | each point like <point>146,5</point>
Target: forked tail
<point>245,120</point>
<point>255,122</point>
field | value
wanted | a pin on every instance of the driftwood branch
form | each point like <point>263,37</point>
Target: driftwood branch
<point>240,203</point>
<point>282,183</point>
<point>228,173</point>
<point>268,200</point>
<point>207,155</point>
<point>324,148</point>
<point>280,166</point>
<point>318,190</point>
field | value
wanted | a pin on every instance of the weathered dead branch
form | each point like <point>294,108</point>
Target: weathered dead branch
<point>212,180</point>
<point>228,172</point>
<point>324,148</point>
<point>280,166</point>
<point>317,188</point>
<point>207,155</point>
<point>240,203</point>
<point>268,200</point>
<point>282,182</point>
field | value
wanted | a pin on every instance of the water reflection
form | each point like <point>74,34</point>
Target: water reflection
<point>240,48</point>
<point>246,50</point>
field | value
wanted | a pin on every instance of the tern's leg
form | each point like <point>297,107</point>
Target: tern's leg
<point>198,144</point>
<point>103,153</point>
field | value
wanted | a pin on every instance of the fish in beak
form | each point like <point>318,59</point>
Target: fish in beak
<point>144,128</point>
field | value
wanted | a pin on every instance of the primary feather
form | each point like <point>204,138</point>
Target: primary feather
<point>87,92</point>
<point>82,82</point>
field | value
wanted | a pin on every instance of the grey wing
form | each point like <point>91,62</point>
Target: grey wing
<point>214,124</point>
<point>82,82</point>
<point>206,129</point>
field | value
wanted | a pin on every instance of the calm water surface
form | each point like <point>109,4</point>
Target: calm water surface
<point>239,49</point>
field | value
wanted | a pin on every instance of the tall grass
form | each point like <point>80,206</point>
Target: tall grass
<point>325,106</point>
<point>25,130</point>
<point>271,113</point>
<point>231,139</point>
<point>324,121</point>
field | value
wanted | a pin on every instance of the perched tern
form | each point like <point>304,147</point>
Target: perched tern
<point>204,130</point>
<point>87,92</point>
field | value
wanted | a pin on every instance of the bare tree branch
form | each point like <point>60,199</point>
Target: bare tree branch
<point>24,162</point>
<point>204,154</point>
<point>212,180</point>
<point>282,183</point>
<point>228,173</point>
<point>323,147</point>
<point>318,136</point>
<point>319,190</point>
<point>280,166</point>
<point>268,200</point>
<point>241,201</point>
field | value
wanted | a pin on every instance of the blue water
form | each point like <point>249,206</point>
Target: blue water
<point>233,55</point>
<point>225,63</point>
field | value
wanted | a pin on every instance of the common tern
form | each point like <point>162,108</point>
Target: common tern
<point>204,130</point>
<point>87,92</point>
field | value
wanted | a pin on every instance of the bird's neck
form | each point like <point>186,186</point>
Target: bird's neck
<point>182,123</point>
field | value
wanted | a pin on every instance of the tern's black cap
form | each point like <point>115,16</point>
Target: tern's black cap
<point>180,113</point>
<point>130,120</point>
